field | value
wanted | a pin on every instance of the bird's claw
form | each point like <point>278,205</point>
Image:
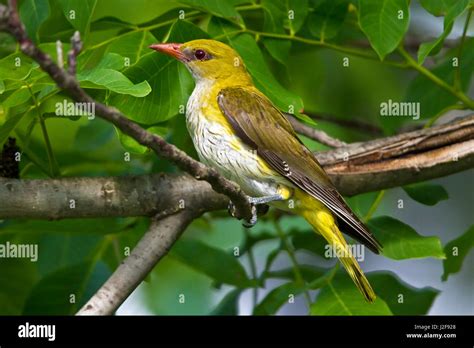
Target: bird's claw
<point>254,208</point>
<point>253,220</point>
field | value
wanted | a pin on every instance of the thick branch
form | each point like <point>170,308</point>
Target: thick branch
<point>362,167</point>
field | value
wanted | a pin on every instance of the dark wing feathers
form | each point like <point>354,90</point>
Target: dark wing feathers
<point>263,127</point>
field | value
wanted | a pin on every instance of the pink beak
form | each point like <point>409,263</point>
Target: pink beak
<point>171,49</point>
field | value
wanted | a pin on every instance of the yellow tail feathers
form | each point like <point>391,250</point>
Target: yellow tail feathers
<point>323,222</point>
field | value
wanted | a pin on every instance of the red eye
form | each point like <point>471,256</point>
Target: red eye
<point>200,54</point>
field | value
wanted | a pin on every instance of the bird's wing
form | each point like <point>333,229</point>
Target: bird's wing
<point>259,124</point>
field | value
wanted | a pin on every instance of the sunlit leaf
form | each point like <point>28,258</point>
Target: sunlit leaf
<point>215,7</point>
<point>106,76</point>
<point>142,11</point>
<point>384,22</point>
<point>82,11</point>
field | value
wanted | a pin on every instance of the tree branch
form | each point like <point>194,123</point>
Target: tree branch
<point>356,168</point>
<point>10,21</point>
<point>377,164</point>
<point>155,244</point>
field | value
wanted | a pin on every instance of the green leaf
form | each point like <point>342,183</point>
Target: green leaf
<point>272,255</point>
<point>33,13</point>
<point>263,78</point>
<point>142,11</point>
<point>9,125</point>
<point>453,9</point>
<point>79,13</point>
<point>341,297</point>
<point>98,226</point>
<point>66,249</point>
<point>16,67</point>
<point>400,241</point>
<point>132,46</point>
<point>18,97</point>
<point>327,18</point>
<point>426,193</point>
<point>133,146</point>
<point>216,7</point>
<point>217,264</point>
<point>298,10</point>
<point>273,19</point>
<point>433,98</point>
<point>277,298</point>
<point>456,251</point>
<point>254,237</point>
<point>2,87</point>
<point>402,298</point>
<point>310,241</point>
<point>52,295</point>
<point>229,305</point>
<point>308,272</point>
<point>104,75</point>
<point>170,81</point>
<point>438,8</point>
<point>384,22</point>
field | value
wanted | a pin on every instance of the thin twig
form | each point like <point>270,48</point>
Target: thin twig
<point>352,124</point>
<point>313,133</point>
<point>76,47</point>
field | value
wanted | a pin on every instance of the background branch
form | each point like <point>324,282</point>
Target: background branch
<point>313,133</point>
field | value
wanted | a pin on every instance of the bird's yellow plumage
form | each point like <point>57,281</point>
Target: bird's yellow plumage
<point>240,133</point>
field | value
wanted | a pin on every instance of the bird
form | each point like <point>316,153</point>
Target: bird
<point>239,132</point>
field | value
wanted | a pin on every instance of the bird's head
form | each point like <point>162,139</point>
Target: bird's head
<point>207,59</point>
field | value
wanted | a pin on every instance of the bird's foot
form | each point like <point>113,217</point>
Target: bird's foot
<point>258,207</point>
<point>246,223</point>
